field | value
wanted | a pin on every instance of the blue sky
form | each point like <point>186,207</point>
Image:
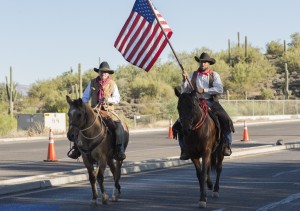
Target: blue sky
<point>41,39</point>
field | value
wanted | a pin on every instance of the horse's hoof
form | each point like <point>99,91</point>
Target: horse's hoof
<point>202,204</point>
<point>114,198</point>
<point>215,194</point>
<point>105,199</point>
<point>94,202</point>
<point>115,195</point>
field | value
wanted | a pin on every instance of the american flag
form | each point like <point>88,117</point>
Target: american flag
<point>141,39</point>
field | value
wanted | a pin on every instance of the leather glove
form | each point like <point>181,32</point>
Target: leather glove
<point>104,100</point>
<point>200,90</point>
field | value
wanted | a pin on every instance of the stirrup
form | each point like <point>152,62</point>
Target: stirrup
<point>74,153</point>
<point>184,156</point>
<point>227,150</point>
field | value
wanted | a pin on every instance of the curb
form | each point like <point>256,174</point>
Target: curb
<point>60,178</point>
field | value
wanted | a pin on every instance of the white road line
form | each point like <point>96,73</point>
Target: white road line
<point>279,203</point>
<point>286,172</point>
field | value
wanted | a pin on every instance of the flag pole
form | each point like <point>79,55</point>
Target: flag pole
<point>182,69</point>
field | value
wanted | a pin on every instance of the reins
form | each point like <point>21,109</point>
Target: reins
<point>98,111</point>
<point>203,105</point>
<point>94,145</point>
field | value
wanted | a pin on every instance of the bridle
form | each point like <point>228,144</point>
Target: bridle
<point>201,104</point>
<point>89,127</point>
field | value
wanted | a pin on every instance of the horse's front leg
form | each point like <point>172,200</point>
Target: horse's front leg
<point>203,181</point>
<point>100,178</point>
<point>92,178</point>
<point>200,175</point>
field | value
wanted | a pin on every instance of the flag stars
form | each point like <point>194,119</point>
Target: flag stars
<point>143,8</point>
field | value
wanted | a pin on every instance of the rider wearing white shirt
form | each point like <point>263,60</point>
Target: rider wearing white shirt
<point>103,89</point>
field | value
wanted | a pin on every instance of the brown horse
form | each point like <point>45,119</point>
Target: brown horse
<point>93,138</point>
<point>201,138</point>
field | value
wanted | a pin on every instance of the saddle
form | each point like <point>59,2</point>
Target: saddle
<point>110,123</point>
<point>105,114</point>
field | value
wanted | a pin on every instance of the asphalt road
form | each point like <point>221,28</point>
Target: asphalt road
<point>25,158</point>
<point>265,182</point>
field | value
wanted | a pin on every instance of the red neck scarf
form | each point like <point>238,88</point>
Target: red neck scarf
<point>206,72</point>
<point>102,83</point>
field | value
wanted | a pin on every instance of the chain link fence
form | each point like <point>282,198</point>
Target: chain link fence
<point>261,107</point>
<point>235,108</point>
<point>143,120</point>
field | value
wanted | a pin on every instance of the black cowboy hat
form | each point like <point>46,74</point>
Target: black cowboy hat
<point>204,57</point>
<point>104,67</point>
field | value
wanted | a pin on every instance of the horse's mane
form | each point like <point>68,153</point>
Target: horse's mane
<point>186,98</point>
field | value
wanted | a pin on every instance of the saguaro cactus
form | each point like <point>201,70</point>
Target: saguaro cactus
<point>75,91</point>
<point>238,39</point>
<point>229,52</point>
<point>246,47</point>
<point>80,80</point>
<point>286,82</point>
<point>11,93</point>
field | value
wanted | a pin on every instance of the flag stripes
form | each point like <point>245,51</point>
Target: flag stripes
<point>141,39</point>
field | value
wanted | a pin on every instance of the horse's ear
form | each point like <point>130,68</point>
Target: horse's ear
<point>69,100</point>
<point>177,91</point>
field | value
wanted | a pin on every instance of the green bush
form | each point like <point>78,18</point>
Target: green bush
<point>7,123</point>
<point>274,48</point>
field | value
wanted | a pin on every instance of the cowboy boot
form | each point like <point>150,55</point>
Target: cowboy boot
<point>184,155</point>
<point>228,140</point>
<point>74,152</point>
<point>227,150</point>
<point>119,153</point>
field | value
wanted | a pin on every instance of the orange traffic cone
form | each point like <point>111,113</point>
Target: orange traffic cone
<point>51,150</point>
<point>170,130</point>
<point>245,135</point>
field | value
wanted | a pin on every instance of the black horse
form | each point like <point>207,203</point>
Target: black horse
<point>201,139</point>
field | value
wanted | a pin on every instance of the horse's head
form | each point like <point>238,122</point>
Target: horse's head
<point>77,117</point>
<point>186,110</point>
